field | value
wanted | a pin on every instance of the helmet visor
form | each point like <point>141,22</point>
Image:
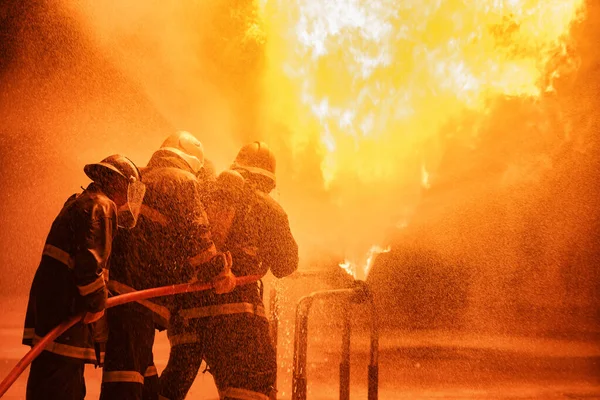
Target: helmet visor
<point>128,214</point>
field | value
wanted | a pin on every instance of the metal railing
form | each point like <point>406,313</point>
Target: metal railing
<point>354,295</point>
<point>274,308</point>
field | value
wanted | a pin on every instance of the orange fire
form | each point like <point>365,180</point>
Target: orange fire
<point>371,86</point>
<point>373,82</point>
<point>361,273</point>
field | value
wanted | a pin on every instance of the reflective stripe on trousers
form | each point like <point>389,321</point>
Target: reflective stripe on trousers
<point>212,311</point>
<point>183,338</point>
<point>223,309</point>
<point>128,376</point>
<point>241,394</point>
<point>150,371</point>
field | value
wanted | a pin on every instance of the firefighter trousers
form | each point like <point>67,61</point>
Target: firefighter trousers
<point>54,377</point>
<point>129,371</point>
<point>237,349</point>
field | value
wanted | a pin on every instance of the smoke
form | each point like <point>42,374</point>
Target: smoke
<point>82,80</point>
<point>506,239</point>
<point>189,59</point>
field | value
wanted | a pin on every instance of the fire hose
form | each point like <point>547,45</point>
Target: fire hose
<point>111,302</point>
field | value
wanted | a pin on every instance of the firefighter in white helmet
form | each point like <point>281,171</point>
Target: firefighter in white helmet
<point>231,331</point>
<point>171,245</point>
<point>71,278</point>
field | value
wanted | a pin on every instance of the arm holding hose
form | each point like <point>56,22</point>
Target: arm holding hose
<point>112,302</point>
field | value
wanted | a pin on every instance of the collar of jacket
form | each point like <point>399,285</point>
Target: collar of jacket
<point>166,158</point>
<point>94,188</point>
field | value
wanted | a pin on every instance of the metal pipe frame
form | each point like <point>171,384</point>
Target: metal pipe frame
<point>345,362</point>
<point>373,393</point>
<point>274,309</point>
<point>274,322</point>
<point>357,294</point>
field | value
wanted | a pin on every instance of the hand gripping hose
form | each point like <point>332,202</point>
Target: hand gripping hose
<point>111,302</point>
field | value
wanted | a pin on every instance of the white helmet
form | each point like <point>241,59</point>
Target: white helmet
<point>186,146</point>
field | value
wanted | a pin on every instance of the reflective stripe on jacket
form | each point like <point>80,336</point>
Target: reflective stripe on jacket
<point>70,277</point>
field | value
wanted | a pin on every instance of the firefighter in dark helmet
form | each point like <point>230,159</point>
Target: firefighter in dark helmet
<point>171,244</point>
<point>70,279</point>
<point>231,332</point>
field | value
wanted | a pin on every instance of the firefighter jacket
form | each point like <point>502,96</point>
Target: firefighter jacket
<point>255,229</point>
<point>70,279</point>
<point>171,242</point>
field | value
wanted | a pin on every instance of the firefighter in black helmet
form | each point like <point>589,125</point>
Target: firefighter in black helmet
<point>171,244</point>
<point>71,277</point>
<point>231,331</point>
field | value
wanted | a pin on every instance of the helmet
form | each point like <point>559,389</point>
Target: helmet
<point>116,163</point>
<point>207,174</point>
<point>231,180</point>
<point>230,185</point>
<point>256,158</point>
<point>186,146</point>
<point>120,166</point>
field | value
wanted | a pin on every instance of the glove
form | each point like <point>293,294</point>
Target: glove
<point>225,282</point>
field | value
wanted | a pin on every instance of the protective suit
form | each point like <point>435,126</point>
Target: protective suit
<point>231,331</point>
<point>70,280</point>
<point>171,244</point>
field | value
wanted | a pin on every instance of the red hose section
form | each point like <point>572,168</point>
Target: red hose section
<point>111,302</point>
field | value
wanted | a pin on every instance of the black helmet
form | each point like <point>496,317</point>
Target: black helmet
<point>116,163</point>
<point>118,166</point>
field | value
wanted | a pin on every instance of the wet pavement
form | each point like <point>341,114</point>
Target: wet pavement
<point>413,365</point>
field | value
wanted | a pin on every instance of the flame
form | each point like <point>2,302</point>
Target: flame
<point>377,80</point>
<point>372,254</point>
<point>349,267</point>
<point>352,269</point>
<point>425,177</point>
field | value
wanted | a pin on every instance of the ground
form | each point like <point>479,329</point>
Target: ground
<point>413,365</point>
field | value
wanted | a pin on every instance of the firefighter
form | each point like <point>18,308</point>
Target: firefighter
<point>171,244</point>
<point>70,278</point>
<point>231,331</point>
